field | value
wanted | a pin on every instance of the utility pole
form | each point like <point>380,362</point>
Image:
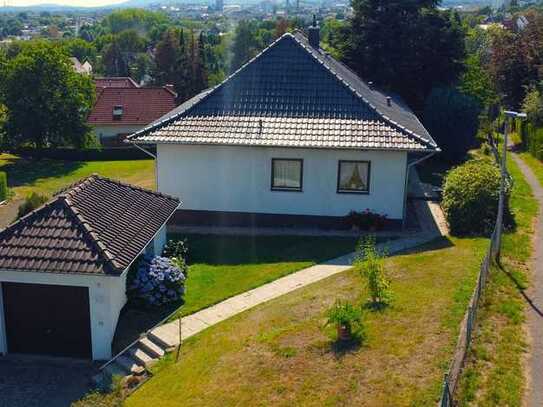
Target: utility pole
<point>509,115</point>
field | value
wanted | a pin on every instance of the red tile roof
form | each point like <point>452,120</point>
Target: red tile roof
<point>116,82</point>
<point>140,106</point>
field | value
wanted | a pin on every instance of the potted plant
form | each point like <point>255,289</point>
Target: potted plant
<point>346,317</point>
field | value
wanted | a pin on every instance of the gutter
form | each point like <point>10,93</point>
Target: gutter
<point>409,166</point>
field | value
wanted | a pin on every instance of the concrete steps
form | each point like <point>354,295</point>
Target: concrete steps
<point>135,361</point>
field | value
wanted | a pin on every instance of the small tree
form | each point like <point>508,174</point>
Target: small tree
<point>370,263</point>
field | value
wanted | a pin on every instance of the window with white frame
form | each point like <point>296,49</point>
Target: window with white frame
<point>353,177</point>
<point>287,174</point>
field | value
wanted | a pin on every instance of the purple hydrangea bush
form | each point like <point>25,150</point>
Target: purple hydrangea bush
<point>158,281</point>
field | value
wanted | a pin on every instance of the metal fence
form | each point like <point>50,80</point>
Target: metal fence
<point>466,328</point>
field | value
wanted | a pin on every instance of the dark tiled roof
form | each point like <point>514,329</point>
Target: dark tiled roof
<point>116,82</point>
<point>141,106</point>
<point>292,95</point>
<point>98,226</point>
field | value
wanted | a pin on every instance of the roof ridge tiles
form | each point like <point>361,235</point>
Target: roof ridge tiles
<point>95,237</point>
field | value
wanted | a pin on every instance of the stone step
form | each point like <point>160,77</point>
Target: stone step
<point>141,356</point>
<point>151,348</point>
<point>166,336</point>
<point>129,365</point>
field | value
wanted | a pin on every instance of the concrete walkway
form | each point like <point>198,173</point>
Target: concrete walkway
<point>197,322</point>
<point>535,293</point>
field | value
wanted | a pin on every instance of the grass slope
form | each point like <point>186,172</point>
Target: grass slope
<point>494,371</point>
<point>280,354</point>
<point>223,266</point>
<point>48,176</point>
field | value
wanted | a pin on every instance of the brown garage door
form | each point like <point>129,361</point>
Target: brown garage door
<point>47,319</point>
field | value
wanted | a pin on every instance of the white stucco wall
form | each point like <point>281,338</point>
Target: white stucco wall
<point>107,296</point>
<point>237,179</point>
<point>113,130</point>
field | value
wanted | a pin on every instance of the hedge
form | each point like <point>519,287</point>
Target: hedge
<point>470,198</point>
<point>532,139</point>
<point>3,186</point>
<point>94,154</point>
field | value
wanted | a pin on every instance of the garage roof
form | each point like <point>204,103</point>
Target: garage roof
<point>97,226</point>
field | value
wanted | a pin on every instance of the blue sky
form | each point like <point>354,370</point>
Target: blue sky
<point>88,3</point>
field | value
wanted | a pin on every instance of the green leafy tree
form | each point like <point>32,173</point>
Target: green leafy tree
<point>244,46</point>
<point>47,102</point>
<point>408,46</point>
<point>172,65</point>
<point>82,50</point>
<point>477,83</point>
<point>452,118</point>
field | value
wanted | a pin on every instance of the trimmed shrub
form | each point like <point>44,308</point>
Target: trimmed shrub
<point>158,281</point>
<point>470,198</point>
<point>3,186</point>
<point>32,201</point>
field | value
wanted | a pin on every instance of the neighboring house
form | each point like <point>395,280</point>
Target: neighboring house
<point>292,137</point>
<point>63,267</point>
<point>82,68</point>
<point>122,108</point>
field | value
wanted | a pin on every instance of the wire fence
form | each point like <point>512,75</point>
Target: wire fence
<point>450,380</point>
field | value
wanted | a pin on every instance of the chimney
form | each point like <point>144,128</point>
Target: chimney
<point>314,34</point>
<point>389,101</point>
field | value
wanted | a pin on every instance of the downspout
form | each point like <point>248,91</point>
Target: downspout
<point>409,166</point>
<point>154,158</point>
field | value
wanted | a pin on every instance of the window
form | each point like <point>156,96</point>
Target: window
<point>353,177</point>
<point>287,174</point>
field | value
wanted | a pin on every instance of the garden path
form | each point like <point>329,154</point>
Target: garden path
<point>535,296</point>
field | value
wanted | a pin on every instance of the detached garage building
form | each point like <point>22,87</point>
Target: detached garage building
<point>63,267</point>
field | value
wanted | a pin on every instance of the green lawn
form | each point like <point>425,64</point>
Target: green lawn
<point>280,354</point>
<point>494,374</point>
<point>48,176</point>
<point>223,266</point>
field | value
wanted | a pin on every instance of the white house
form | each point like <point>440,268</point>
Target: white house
<point>292,137</point>
<point>63,267</point>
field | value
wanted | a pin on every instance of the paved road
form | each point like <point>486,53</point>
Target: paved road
<point>39,382</point>
<point>535,311</point>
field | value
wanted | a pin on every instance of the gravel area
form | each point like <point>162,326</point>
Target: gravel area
<point>29,382</point>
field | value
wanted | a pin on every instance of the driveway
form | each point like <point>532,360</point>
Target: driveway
<point>30,382</point>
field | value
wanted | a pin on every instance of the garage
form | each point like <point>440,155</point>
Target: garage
<point>47,319</point>
<point>63,267</point>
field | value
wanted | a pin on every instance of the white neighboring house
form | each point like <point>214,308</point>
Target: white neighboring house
<point>292,137</point>
<point>82,68</point>
<point>63,267</point>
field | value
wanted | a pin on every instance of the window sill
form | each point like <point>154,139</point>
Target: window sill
<point>286,190</point>
<point>353,192</point>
